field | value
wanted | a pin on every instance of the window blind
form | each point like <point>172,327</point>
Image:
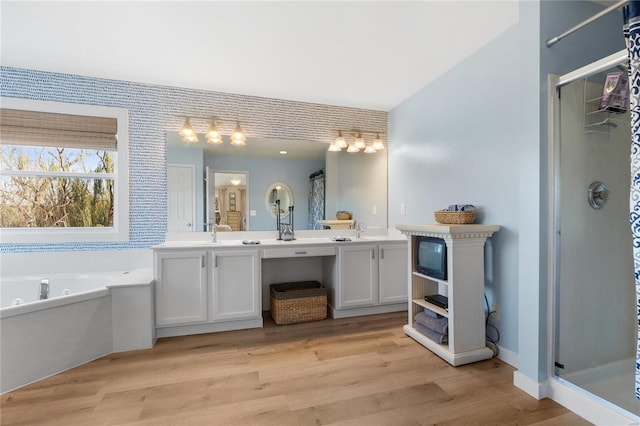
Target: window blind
<point>36,128</point>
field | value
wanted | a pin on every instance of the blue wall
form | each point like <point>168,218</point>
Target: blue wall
<point>448,144</point>
<point>478,135</point>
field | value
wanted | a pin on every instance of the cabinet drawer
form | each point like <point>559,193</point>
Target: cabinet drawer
<point>272,253</point>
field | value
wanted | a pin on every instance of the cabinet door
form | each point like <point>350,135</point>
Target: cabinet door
<point>236,285</point>
<point>181,288</point>
<point>393,272</point>
<point>357,284</point>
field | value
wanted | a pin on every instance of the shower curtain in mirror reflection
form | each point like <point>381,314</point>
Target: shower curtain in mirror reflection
<point>316,199</point>
<point>631,13</point>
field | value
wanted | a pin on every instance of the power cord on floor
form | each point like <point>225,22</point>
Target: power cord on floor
<point>492,343</point>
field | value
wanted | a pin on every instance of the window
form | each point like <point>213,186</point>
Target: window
<point>63,172</point>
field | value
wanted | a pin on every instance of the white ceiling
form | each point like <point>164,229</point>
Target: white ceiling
<point>362,54</point>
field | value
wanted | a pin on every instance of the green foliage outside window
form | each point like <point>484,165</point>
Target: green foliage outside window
<point>43,187</point>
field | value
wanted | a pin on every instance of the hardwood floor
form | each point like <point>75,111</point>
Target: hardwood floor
<point>358,371</point>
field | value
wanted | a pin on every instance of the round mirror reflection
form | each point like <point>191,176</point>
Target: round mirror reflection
<point>278,191</point>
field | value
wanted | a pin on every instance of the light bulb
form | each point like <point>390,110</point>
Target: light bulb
<point>377,143</point>
<point>359,142</point>
<point>369,149</point>
<point>187,131</point>
<point>353,148</point>
<point>238,137</point>
<point>340,142</point>
<point>334,147</point>
<point>214,140</point>
<point>191,138</point>
<point>213,132</point>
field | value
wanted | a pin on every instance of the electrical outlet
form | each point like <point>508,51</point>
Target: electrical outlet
<point>495,308</point>
<point>403,209</point>
<point>374,210</point>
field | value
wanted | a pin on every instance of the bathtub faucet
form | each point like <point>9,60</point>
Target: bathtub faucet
<point>44,289</point>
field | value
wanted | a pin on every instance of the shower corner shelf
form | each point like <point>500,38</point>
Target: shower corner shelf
<point>597,120</point>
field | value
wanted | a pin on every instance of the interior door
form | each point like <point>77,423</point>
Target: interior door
<point>180,197</point>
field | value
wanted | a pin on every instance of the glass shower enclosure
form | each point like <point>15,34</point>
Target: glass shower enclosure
<point>594,301</point>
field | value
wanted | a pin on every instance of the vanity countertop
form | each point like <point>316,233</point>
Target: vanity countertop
<point>267,240</point>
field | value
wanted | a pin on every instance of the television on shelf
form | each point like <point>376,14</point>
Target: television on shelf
<point>431,257</point>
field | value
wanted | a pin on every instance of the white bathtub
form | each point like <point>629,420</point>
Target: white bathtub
<point>87,316</point>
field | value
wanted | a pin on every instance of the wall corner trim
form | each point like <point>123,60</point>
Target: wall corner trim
<point>530,386</point>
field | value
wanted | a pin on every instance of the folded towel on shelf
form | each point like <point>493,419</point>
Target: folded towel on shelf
<point>439,325</point>
<point>432,314</point>
<point>442,339</point>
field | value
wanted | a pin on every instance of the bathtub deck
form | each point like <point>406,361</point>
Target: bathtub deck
<point>362,370</point>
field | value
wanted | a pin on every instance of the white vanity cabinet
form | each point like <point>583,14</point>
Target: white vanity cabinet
<point>370,275</point>
<point>393,272</point>
<point>181,287</point>
<point>204,287</point>
<point>358,276</point>
<point>235,285</point>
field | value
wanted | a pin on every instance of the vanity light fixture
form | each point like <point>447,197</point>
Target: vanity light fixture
<point>377,143</point>
<point>358,143</point>
<point>340,143</point>
<point>213,134</point>
<point>187,132</point>
<point>238,137</point>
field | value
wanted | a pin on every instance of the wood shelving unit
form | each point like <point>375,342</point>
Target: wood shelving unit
<point>464,288</point>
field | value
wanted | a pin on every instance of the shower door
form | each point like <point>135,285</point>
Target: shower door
<point>594,310</point>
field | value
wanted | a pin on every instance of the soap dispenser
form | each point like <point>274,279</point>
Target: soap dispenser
<point>287,232</point>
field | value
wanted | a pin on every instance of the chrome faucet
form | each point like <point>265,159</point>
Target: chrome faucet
<point>44,289</point>
<point>214,234</point>
<point>359,230</point>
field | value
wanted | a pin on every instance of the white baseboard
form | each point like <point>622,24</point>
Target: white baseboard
<point>508,356</point>
<point>530,386</point>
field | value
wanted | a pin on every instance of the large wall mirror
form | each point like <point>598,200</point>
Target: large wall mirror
<point>352,182</point>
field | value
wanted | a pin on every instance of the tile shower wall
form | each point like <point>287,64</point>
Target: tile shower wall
<point>154,110</point>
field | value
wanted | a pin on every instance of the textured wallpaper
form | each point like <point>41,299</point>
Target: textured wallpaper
<point>154,110</point>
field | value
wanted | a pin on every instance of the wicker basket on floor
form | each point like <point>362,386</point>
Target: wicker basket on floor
<point>292,303</point>
<point>451,218</point>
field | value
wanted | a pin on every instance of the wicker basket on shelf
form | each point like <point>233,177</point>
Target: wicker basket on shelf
<point>455,218</point>
<point>342,215</point>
